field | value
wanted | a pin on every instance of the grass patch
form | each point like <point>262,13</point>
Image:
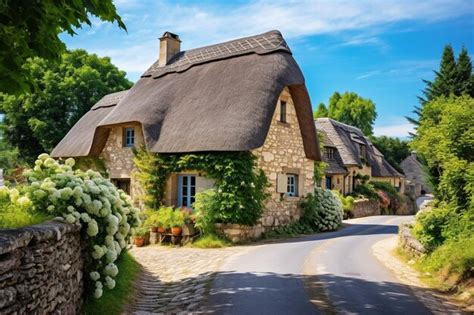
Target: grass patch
<point>210,241</point>
<point>114,301</point>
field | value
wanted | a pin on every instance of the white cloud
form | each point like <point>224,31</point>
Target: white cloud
<point>368,75</point>
<point>355,22</point>
<point>402,130</point>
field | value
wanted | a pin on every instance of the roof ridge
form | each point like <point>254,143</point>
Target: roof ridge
<point>264,43</point>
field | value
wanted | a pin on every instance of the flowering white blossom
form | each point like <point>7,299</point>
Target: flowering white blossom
<point>109,282</point>
<point>111,270</point>
<point>70,218</point>
<point>94,275</point>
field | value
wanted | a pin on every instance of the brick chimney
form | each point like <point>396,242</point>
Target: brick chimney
<point>170,45</point>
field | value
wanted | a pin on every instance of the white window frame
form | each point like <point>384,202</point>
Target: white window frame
<point>190,198</point>
<point>292,185</point>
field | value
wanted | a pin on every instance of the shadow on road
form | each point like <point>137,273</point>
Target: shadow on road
<point>249,293</point>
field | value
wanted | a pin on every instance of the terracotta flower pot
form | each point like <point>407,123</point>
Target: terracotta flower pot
<point>176,231</point>
<point>139,241</point>
<point>161,230</point>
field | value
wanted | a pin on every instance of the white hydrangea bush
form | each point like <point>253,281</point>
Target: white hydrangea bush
<point>322,210</point>
<point>105,213</point>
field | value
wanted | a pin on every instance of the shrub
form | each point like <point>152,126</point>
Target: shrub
<point>322,210</point>
<point>210,241</point>
<point>367,190</point>
<point>205,208</point>
<point>430,225</point>
<point>387,187</point>
<point>105,213</point>
<point>347,203</point>
<point>292,229</point>
<point>16,210</point>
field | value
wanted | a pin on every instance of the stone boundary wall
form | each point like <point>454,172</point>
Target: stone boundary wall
<point>41,269</point>
<point>409,242</point>
<point>365,208</point>
<point>238,233</point>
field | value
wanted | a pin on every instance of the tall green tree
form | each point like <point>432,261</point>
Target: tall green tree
<point>351,109</point>
<point>31,29</point>
<point>452,78</point>
<point>35,123</point>
<point>394,150</point>
<point>445,139</point>
<point>321,111</point>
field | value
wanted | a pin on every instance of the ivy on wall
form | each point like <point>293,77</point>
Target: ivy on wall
<point>240,185</point>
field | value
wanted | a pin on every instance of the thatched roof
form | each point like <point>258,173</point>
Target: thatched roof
<point>215,98</point>
<point>347,139</point>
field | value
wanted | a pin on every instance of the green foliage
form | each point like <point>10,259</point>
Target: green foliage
<point>210,241</point>
<point>205,208</point>
<point>292,229</point>
<point>394,150</point>
<point>114,301</point>
<point>387,187</point>
<point>321,111</point>
<point>105,214</point>
<point>36,122</point>
<point>351,109</point>
<point>16,210</point>
<point>452,78</point>
<point>140,231</point>
<point>347,203</point>
<point>322,210</point>
<point>28,31</point>
<point>445,140</point>
<point>366,190</point>
<point>240,186</point>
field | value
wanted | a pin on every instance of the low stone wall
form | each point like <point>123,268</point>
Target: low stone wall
<point>365,208</point>
<point>238,233</point>
<point>409,242</point>
<point>41,269</point>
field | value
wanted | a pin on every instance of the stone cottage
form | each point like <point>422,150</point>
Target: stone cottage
<point>349,154</point>
<point>415,175</point>
<point>243,95</point>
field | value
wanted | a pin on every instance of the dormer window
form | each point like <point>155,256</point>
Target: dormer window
<point>283,111</point>
<point>128,137</point>
<point>362,151</point>
<point>330,153</point>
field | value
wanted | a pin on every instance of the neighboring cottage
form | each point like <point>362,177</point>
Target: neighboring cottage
<point>243,95</point>
<point>349,155</point>
<point>415,175</point>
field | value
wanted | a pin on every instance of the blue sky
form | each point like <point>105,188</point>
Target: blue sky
<point>379,49</point>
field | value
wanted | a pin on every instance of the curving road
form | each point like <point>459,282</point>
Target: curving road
<point>326,273</point>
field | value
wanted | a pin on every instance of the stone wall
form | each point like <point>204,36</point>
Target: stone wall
<point>409,242</point>
<point>119,159</point>
<point>41,269</point>
<point>365,207</point>
<point>238,233</point>
<point>283,152</point>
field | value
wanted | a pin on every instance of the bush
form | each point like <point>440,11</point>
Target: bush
<point>347,203</point>
<point>430,226</point>
<point>322,210</point>
<point>205,208</point>
<point>292,229</point>
<point>16,210</point>
<point>387,187</point>
<point>104,212</point>
<point>366,190</point>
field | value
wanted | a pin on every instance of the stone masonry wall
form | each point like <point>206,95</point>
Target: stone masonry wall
<point>365,207</point>
<point>283,152</point>
<point>41,269</point>
<point>119,159</point>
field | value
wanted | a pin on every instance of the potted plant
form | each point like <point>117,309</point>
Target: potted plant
<point>176,222</point>
<point>163,218</point>
<point>139,236</point>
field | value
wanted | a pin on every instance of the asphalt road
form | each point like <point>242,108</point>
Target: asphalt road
<point>282,278</point>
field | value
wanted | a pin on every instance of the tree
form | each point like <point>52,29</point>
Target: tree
<point>36,122</point>
<point>452,78</point>
<point>393,149</point>
<point>30,30</point>
<point>445,139</point>
<point>351,109</point>
<point>322,111</point>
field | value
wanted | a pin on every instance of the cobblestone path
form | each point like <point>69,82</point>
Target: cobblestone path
<point>175,280</point>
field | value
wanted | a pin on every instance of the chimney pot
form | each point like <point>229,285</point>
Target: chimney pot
<point>170,45</point>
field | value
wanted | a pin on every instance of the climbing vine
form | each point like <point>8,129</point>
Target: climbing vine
<point>240,185</point>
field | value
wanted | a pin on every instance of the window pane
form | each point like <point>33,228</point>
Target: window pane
<point>193,180</point>
<point>193,191</point>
